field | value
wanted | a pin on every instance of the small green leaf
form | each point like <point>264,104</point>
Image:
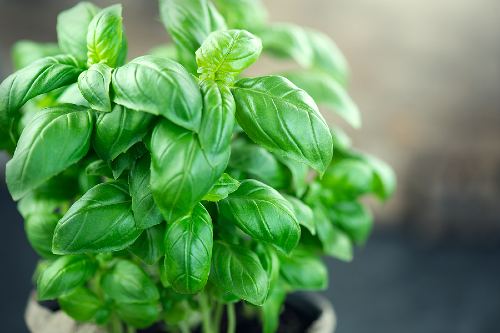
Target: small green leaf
<point>181,172</point>
<point>263,213</point>
<point>238,270</point>
<point>25,52</point>
<point>99,168</point>
<point>94,84</point>
<point>64,275</point>
<point>303,213</point>
<point>304,271</point>
<point>188,251</point>
<point>149,246</point>
<point>39,229</point>
<point>222,188</point>
<point>161,87</point>
<point>283,119</point>
<point>348,179</point>
<point>119,130</point>
<point>354,218</point>
<point>335,242</point>
<point>139,315</point>
<point>73,95</point>
<point>126,160</point>
<point>225,54</point>
<point>243,14</point>
<point>146,213</point>
<point>384,179</point>
<point>326,91</point>
<point>54,140</point>
<point>105,37</point>
<point>72,27</point>
<point>100,221</point>
<point>299,174</point>
<point>81,304</point>
<point>127,283</point>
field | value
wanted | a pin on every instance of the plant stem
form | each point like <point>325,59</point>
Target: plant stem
<point>218,316</point>
<point>231,318</point>
<point>205,314</point>
<point>115,325</point>
<point>130,329</point>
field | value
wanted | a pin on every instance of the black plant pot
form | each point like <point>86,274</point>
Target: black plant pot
<point>303,313</point>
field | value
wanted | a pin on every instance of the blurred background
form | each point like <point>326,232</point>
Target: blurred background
<point>426,76</point>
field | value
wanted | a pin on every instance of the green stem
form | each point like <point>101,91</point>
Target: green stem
<point>130,329</point>
<point>231,318</point>
<point>205,314</point>
<point>115,325</point>
<point>218,316</point>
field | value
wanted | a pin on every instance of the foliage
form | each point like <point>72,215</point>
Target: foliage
<point>169,186</point>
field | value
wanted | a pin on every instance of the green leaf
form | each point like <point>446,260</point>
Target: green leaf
<point>54,140</point>
<point>303,213</point>
<point>304,271</point>
<point>270,262</point>
<point>237,270</point>
<point>188,251</point>
<point>222,188</point>
<point>189,22</point>
<point>263,213</point>
<point>100,221</point>
<point>225,54</point>
<point>139,315</point>
<point>165,51</point>
<point>181,172</point>
<point>243,14</point>
<point>39,229</point>
<point>326,91</point>
<point>299,174</point>
<point>119,130</point>
<point>99,168</point>
<point>348,179</point>
<point>36,79</point>
<point>127,283</point>
<point>354,218</point>
<point>335,242</point>
<point>25,52</point>
<point>159,86</point>
<point>105,37</point>
<point>384,179</point>
<point>72,27</point>
<point>146,213</point>
<point>94,85</point>
<point>149,246</point>
<point>81,304</point>
<point>64,275</point>
<point>283,119</point>
<point>271,309</point>
<point>126,160</point>
<point>73,95</point>
<point>37,202</point>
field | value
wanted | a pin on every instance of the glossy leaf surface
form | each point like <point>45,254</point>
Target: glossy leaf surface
<point>94,84</point>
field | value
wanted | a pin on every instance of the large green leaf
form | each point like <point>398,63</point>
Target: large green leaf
<point>181,172</point>
<point>304,271</point>
<point>38,78</point>
<point>159,86</point>
<point>64,275</point>
<point>243,14</point>
<point>188,251</point>
<point>72,27</point>
<point>119,130</point>
<point>263,213</point>
<point>149,247</point>
<point>105,37</point>
<point>54,140</point>
<point>146,213</point>
<point>237,270</point>
<point>81,304</point>
<point>94,84</point>
<point>100,221</point>
<point>284,119</point>
<point>25,52</point>
<point>326,91</point>
<point>225,54</point>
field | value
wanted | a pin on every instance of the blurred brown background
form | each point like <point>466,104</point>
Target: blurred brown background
<point>426,76</point>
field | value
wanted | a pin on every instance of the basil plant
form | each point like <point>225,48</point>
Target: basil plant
<point>170,187</point>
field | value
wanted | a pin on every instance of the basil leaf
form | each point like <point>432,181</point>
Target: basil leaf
<point>237,270</point>
<point>263,213</point>
<point>270,262</point>
<point>99,168</point>
<point>222,188</point>
<point>294,270</point>
<point>271,309</point>
<point>119,130</point>
<point>348,179</point>
<point>384,178</point>
<point>81,304</point>
<point>326,91</point>
<point>283,119</point>
<point>25,52</point>
<point>94,85</point>
<point>188,251</point>
<point>39,229</point>
<point>161,87</point>
<point>243,14</point>
<point>72,27</point>
<point>165,51</point>
<point>139,315</point>
<point>181,172</point>
<point>190,21</point>
<point>36,79</point>
<point>64,275</point>
<point>303,213</point>
<point>73,95</point>
<point>54,140</point>
<point>299,173</point>
<point>335,242</point>
<point>100,221</point>
<point>104,37</point>
<point>35,203</point>
<point>127,283</point>
<point>149,246</point>
<point>225,54</point>
<point>126,160</point>
<point>354,218</point>
<point>146,213</point>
